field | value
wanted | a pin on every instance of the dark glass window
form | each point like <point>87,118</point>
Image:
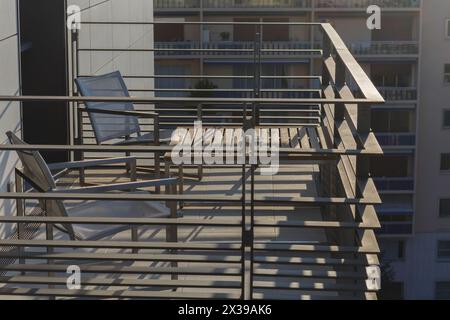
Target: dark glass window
<point>446,118</point>
<point>444,208</point>
<point>445,161</point>
<point>443,250</point>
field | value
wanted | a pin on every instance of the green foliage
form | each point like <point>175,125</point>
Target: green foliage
<point>201,85</point>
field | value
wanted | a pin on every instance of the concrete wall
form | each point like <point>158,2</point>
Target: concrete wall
<point>117,37</point>
<point>9,85</point>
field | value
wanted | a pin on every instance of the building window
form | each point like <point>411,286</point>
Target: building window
<point>447,28</point>
<point>446,119</point>
<point>442,290</point>
<point>443,251</point>
<point>445,162</point>
<point>447,73</point>
<point>444,208</point>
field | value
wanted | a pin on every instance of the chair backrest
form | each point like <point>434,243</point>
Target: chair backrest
<point>38,173</point>
<point>107,127</point>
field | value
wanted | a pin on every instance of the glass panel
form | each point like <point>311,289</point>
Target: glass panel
<point>444,208</point>
<point>445,161</point>
<point>443,290</point>
<point>446,118</point>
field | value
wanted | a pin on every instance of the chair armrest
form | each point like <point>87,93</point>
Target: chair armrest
<point>121,186</point>
<point>90,163</point>
<point>140,114</point>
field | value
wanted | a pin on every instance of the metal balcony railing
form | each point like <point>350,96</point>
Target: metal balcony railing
<point>238,48</point>
<point>398,93</point>
<point>176,4</point>
<point>336,4</point>
<point>240,4</point>
<point>395,184</point>
<point>396,139</point>
<point>231,4</point>
<point>329,127</point>
<point>280,4</point>
<point>385,48</point>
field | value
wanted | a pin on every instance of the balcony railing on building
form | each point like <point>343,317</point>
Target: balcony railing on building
<point>398,93</point>
<point>363,4</point>
<point>280,4</point>
<point>396,139</point>
<point>385,48</point>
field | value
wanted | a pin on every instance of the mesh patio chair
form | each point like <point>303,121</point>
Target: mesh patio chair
<point>118,122</point>
<point>39,175</point>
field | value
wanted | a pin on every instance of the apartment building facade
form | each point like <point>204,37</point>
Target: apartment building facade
<point>396,58</point>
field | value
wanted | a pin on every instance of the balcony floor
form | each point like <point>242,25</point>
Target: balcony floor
<point>291,181</point>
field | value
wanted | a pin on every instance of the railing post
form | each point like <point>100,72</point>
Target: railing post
<point>20,207</point>
<point>326,49</point>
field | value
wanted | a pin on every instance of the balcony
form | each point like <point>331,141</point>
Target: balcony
<point>397,139</point>
<point>363,4</point>
<point>405,184</point>
<point>232,4</point>
<point>161,5</point>
<point>398,93</point>
<point>221,49</point>
<point>176,4</point>
<point>304,230</point>
<point>385,48</point>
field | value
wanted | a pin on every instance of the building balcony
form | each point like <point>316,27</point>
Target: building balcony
<point>404,184</point>
<point>363,4</point>
<point>397,139</point>
<point>399,93</point>
<point>232,4</point>
<point>162,5</point>
<point>183,226</point>
<point>234,48</point>
<point>397,219</point>
<point>385,48</point>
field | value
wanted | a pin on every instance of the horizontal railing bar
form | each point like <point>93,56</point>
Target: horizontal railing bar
<point>272,285</point>
<point>121,245</point>
<point>115,294</point>
<point>240,51</point>
<point>119,197</point>
<point>161,50</point>
<point>122,221</point>
<point>186,100</point>
<point>314,224</point>
<point>302,273</point>
<point>214,77</point>
<point>228,259</point>
<point>124,269</point>
<point>201,23</point>
<point>124,282</point>
<point>221,90</point>
<point>313,248</point>
<point>274,260</point>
